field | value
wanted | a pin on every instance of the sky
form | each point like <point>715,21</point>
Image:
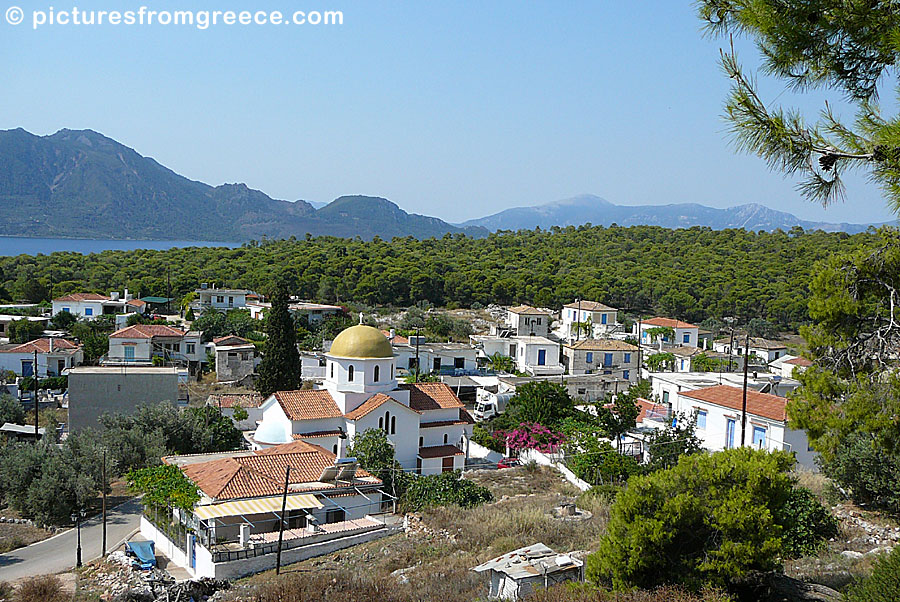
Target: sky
<point>453,109</point>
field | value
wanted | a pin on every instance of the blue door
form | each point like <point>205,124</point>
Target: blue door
<point>729,433</point>
<point>27,368</point>
<point>542,357</point>
<point>607,359</point>
<point>129,353</point>
<point>192,550</point>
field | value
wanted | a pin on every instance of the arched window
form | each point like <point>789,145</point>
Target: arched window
<point>421,441</point>
<point>332,369</point>
<point>393,425</point>
<point>445,438</point>
<point>377,373</point>
<point>392,370</point>
<point>387,423</point>
<point>334,449</point>
<point>381,423</point>
<point>350,373</point>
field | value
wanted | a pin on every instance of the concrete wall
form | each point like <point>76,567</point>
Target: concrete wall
<point>95,391</point>
<point>234,364</point>
<point>531,455</point>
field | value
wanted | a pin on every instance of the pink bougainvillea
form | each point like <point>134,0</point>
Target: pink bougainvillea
<point>531,435</point>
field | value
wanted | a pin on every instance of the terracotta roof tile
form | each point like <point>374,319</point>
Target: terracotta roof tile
<point>590,306</point>
<point>307,404</point>
<point>230,340</point>
<point>317,434</point>
<point>147,331</point>
<point>667,323</point>
<point>799,361</point>
<point>527,310</point>
<point>439,451</point>
<point>431,396</point>
<point>760,404</point>
<point>42,346</point>
<point>396,339</point>
<point>83,297</point>
<point>370,405</point>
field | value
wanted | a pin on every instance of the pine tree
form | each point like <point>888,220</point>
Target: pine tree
<point>280,367</point>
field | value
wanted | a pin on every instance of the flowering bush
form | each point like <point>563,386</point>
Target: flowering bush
<point>532,435</point>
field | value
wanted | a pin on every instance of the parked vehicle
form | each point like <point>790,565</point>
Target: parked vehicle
<point>509,463</point>
<point>488,405</point>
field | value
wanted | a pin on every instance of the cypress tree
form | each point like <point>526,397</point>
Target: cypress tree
<point>280,366</point>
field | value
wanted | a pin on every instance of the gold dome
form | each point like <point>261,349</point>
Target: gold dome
<point>361,341</point>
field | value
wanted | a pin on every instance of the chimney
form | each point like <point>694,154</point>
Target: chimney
<point>127,296</point>
<point>51,344</point>
<point>245,535</point>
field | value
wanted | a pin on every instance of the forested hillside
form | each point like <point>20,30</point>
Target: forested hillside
<point>692,274</point>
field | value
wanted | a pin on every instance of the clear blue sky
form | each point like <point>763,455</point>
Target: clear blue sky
<point>454,109</point>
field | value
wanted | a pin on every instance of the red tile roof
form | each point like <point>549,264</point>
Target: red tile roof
<point>527,310</point>
<point>83,297</point>
<point>230,340</point>
<point>644,405</point>
<point>317,434</point>
<point>589,306</point>
<point>147,331</point>
<point>370,405</point>
<point>760,404</point>
<point>799,361</point>
<point>431,396</point>
<point>668,323</point>
<point>235,400</point>
<point>262,474</point>
<point>137,302</point>
<point>307,404</point>
<point>42,346</point>
<point>396,339</point>
<point>439,451</point>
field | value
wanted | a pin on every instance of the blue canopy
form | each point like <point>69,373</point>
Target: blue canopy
<point>144,552</point>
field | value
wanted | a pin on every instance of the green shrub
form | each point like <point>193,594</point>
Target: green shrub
<point>883,585</point>
<point>598,462</point>
<point>443,489</point>
<point>867,470</point>
<point>708,520</point>
<point>807,523</point>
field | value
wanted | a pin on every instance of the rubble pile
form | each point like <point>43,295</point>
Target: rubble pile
<point>413,526</point>
<point>877,538</point>
<point>115,580</point>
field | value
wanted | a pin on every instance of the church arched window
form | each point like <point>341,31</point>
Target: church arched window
<point>377,373</point>
<point>393,425</point>
<point>350,373</point>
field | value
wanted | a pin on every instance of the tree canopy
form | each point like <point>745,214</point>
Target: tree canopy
<point>280,367</point>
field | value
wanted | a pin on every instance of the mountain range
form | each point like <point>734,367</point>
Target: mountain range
<point>81,184</point>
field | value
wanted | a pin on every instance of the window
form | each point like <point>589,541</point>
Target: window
<point>191,348</point>
<point>27,368</point>
<point>626,374</point>
<point>538,322</point>
<point>332,369</point>
<point>129,353</point>
<point>436,364</point>
<point>607,359</point>
<point>67,309</point>
<point>393,425</point>
<point>686,338</point>
<point>590,357</point>
<point>350,373</point>
<point>665,397</point>
<point>377,373</point>
<point>701,419</point>
<point>334,449</point>
<point>759,437</point>
<point>729,433</point>
<point>296,519</point>
<point>459,363</point>
<point>220,299</point>
<point>334,516</point>
<point>381,423</point>
<point>421,441</point>
<point>230,300</point>
<point>392,371</point>
<point>627,358</point>
<point>89,311</point>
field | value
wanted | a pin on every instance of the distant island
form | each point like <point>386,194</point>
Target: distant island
<point>81,184</point>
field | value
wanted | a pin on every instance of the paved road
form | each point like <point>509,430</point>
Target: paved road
<point>57,554</point>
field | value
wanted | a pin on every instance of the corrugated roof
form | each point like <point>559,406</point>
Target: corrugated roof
<point>760,404</point>
<point>307,404</point>
<point>431,396</point>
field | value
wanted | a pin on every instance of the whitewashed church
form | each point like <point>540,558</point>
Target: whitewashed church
<point>426,422</point>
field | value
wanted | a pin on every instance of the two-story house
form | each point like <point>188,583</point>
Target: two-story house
<point>678,332</point>
<point>92,305</point>
<point>602,356</point>
<point>315,313</point>
<point>141,343</point>
<point>524,320</point>
<point>537,356</point>
<point>54,355</point>
<point>600,319</point>
<point>221,299</point>
<point>765,350</point>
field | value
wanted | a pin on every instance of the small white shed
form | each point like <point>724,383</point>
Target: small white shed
<point>515,575</point>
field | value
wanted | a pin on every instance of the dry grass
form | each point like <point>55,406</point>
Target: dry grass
<point>523,480</point>
<point>45,588</point>
<point>13,536</point>
<point>580,593</point>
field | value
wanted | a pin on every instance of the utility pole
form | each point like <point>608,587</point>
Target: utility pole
<point>417,355</point>
<point>744,402</point>
<point>168,292</point>
<point>103,553</point>
<point>287,476</point>
<point>578,322</point>
<point>34,376</point>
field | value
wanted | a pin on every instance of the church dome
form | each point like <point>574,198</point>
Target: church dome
<point>361,341</point>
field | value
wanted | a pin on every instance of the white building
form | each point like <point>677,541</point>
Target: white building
<point>220,298</point>
<point>227,403</point>
<point>684,332</point>
<point>234,530</point>
<point>315,312</point>
<point>435,358</point>
<point>91,305</point>
<point>524,320</point>
<point>602,319</point>
<point>666,386</point>
<point>602,356</point>
<point>786,364</point>
<point>765,350</point>
<point>427,424</point>
<point>141,343</point>
<point>537,356</point>
<point>53,357</point>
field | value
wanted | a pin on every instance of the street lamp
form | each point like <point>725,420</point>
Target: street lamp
<point>76,518</point>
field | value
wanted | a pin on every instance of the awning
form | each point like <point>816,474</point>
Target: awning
<point>257,506</point>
